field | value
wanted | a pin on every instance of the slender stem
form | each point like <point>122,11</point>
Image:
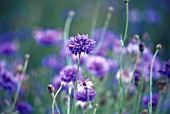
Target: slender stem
<point>121,68</point>
<point>135,99</point>
<point>127,19</point>
<point>69,98</point>
<point>95,109</point>
<point>159,103</point>
<point>55,98</point>
<point>141,86</point>
<point>20,83</point>
<point>76,80</point>
<point>150,101</point>
<point>56,106</point>
<point>95,14</point>
<point>66,32</point>
<point>109,15</point>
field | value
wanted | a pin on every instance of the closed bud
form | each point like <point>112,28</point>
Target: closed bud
<point>126,1</point>
<point>71,13</point>
<point>158,47</point>
<point>19,68</point>
<point>141,47</point>
<point>145,111</point>
<point>110,8</point>
<point>137,79</point>
<point>27,56</point>
<point>136,37</point>
<point>50,88</point>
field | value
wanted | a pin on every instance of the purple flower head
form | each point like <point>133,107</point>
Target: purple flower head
<point>51,61</point>
<point>80,44</point>
<point>68,73</point>
<point>152,16</point>
<point>7,80</point>
<point>85,91</point>
<point>24,108</point>
<point>8,48</point>
<point>48,37</point>
<point>98,66</point>
<point>135,16</point>
<point>145,100</point>
<point>165,70</point>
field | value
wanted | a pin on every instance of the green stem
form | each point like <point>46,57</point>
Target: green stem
<point>55,98</point>
<point>87,110</point>
<point>127,19</point>
<point>56,106</point>
<point>150,101</point>
<point>69,98</point>
<point>76,81</point>
<point>141,86</point>
<point>109,15</point>
<point>20,83</point>
<point>66,32</point>
<point>95,14</point>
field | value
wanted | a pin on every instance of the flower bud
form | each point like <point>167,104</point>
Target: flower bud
<point>141,47</point>
<point>158,47</point>
<point>126,1</point>
<point>110,8</point>
<point>71,13</point>
<point>50,88</point>
<point>27,56</point>
<point>137,79</point>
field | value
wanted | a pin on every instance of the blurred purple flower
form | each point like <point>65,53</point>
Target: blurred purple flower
<point>152,15</point>
<point>56,82</point>
<point>98,66</point>
<point>135,16</point>
<point>133,47</point>
<point>145,100</point>
<point>85,86</point>
<point>51,61</point>
<point>111,40</point>
<point>8,48</point>
<point>7,80</point>
<point>165,70</point>
<point>80,44</point>
<point>127,76</point>
<point>24,108</point>
<point>68,73</point>
<point>48,37</point>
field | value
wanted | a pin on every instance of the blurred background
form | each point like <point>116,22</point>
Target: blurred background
<point>18,18</point>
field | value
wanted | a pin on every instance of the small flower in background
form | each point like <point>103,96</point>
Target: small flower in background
<point>85,90</point>
<point>110,40</point>
<point>48,37</point>
<point>133,47</point>
<point>146,99</point>
<point>68,73</point>
<point>52,61</point>
<point>3,64</point>
<point>135,16</point>
<point>8,48</point>
<point>152,15</point>
<point>165,70</point>
<point>80,44</point>
<point>127,75</point>
<point>98,66</point>
<point>7,80</point>
<point>24,108</point>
